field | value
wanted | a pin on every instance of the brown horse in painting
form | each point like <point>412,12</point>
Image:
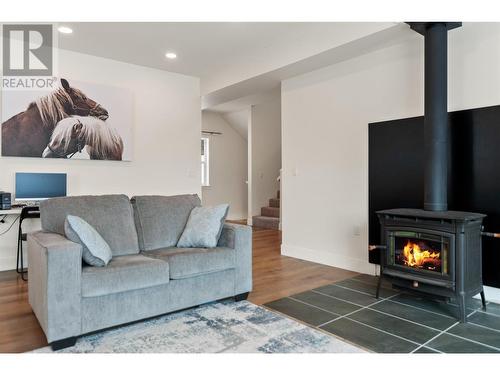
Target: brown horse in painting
<point>28,133</point>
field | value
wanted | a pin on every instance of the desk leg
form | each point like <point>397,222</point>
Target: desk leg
<point>20,257</point>
<point>19,253</point>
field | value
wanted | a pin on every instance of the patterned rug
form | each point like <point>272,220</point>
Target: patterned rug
<point>213,328</point>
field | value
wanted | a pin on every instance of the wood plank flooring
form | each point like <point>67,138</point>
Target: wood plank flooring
<point>274,276</point>
<point>19,328</point>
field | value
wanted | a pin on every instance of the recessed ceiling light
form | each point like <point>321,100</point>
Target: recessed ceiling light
<point>171,55</point>
<point>64,30</point>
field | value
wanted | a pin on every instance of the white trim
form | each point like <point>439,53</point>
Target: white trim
<point>329,259</point>
<point>205,165</point>
<point>249,167</point>
<point>9,263</point>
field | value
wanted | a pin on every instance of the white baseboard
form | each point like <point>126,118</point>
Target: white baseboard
<point>329,259</point>
<point>9,263</point>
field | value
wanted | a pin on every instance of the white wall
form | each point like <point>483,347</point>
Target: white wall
<point>228,167</point>
<point>166,136</point>
<point>265,143</point>
<point>325,116</point>
<point>238,121</point>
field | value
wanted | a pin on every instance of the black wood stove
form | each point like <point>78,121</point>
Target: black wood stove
<point>437,253</point>
<point>433,250</point>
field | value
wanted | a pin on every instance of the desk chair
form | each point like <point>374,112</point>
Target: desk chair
<point>29,212</point>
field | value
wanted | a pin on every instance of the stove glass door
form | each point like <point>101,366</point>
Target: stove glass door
<point>419,251</point>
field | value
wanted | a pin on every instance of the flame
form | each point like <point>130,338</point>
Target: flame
<point>416,257</point>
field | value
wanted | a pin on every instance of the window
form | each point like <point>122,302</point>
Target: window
<point>205,166</point>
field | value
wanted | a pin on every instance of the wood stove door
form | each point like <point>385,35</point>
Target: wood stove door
<point>420,253</point>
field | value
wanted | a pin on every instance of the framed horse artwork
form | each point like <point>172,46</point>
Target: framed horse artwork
<point>74,120</point>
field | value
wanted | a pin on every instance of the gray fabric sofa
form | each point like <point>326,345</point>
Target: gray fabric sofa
<point>148,275</point>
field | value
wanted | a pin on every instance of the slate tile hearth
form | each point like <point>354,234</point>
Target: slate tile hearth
<point>301,311</point>
<point>398,322</point>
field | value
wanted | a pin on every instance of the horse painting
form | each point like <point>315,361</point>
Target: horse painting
<point>29,132</point>
<point>76,133</point>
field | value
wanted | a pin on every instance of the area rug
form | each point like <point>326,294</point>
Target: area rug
<point>213,328</point>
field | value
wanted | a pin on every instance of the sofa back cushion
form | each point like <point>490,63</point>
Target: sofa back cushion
<point>110,215</point>
<point>160,220</point>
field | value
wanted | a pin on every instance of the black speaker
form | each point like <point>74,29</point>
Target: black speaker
<point>5,201</point>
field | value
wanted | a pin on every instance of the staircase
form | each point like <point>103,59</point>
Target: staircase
<point>269,216</point>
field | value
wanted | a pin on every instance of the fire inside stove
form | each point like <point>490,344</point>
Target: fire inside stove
<point>416,256</point>
<point>419,254</point>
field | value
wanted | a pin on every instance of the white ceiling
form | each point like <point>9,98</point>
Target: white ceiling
<point>257,89</point>
<point>219,53</point>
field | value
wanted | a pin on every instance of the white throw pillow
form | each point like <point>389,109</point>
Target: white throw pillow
<point>96,251</point>
<point>204,226</point>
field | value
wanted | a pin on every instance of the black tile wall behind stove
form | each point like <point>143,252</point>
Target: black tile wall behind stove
<point>396,173</point>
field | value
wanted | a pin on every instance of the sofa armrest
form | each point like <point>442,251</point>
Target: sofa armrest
<point>239,238</point>
<point>54,284</point>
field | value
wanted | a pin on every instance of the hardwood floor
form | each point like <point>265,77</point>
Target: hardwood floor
<point>274,276</point>
<point>19,328</point>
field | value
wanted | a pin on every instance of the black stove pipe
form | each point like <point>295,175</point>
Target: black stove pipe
<point>435,112</point>
<point>436,118</point>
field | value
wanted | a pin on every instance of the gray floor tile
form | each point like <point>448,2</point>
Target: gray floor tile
<point>451,344</point>
<point>348,295</point>
<point>430,319</point>
<point>368,279</point>
<point>487,320</point>
<point>395,326</point>
<point>298,310</point>
<point>472,303</point>
<point>372,280</point>
<point>480,334</point>
<point>428,304</point>
<point>328,303</point>
<point>493,308</point>
<point>366,288</point>
<point>369,338</point>
<point>426,350</point>
<point>372,329</point>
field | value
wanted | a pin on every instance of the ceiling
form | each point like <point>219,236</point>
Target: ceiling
<point>220,54</point>
<point>256,89</point>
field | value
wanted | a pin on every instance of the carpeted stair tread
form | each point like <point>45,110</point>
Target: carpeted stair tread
<point>274,202</point>
<point>266,222</point>
<point>270,211</point>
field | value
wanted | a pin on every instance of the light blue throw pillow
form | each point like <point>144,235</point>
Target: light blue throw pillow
<point>204,226</point>
<point>96,251</point>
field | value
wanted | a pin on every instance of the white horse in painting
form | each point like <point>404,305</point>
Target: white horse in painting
<point>73,134</point>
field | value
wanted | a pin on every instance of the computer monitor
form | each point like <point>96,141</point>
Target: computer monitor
<point>40,186</point>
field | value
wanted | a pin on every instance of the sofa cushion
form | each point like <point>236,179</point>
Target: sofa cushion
<point>96,251</point>
<point>110,215</point>
<point>204,226</point>
<point>160,220</point>
<point>189,262</point>
<point>124,273</point>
